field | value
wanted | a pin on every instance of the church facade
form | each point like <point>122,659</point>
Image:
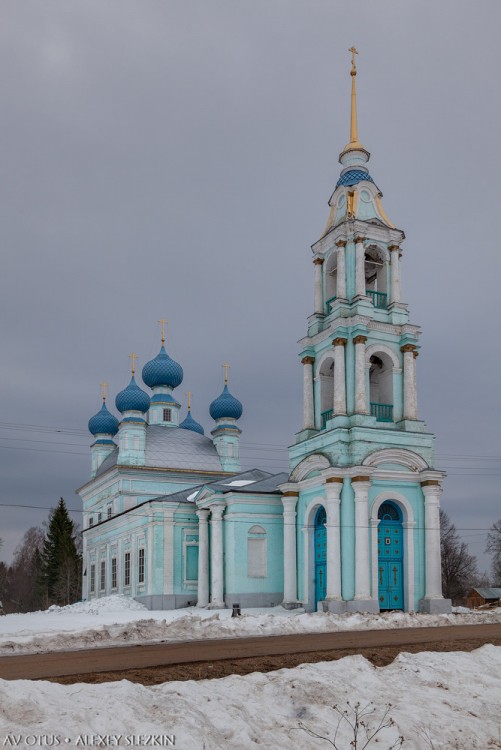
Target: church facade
<point>169,517</point>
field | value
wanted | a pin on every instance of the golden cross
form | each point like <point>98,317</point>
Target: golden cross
<point>104,386</point>
<point>133,358</point>
<point>189,400</point>
<point>353,53</point>
<point>226,368</point>
<point>163,322</point>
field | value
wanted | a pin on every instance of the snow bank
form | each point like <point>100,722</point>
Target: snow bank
<point>448,699</point>
<point>118,620</point>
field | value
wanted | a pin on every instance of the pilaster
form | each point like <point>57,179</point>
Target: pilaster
<point>318,291</point>
<point>341,269</point>
<point>359,267</point>
<point>333,487</point>
<point>217,569</point>
<point>203,558</point>
<point>339,376</point>
<point>363,601</point>
<point>308,398</point>
<point>433,601</point>
<point>289,501</point>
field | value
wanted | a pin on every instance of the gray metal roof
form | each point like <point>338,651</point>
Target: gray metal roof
<point>259,482</point>
<point>174,448</point>
<point>489,593</point>
<point>266,485</point>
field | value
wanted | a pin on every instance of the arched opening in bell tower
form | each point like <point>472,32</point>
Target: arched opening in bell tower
<point>376,276</point>
<point>326,377</point>
<point>381,387</point>
<point>330,271</point>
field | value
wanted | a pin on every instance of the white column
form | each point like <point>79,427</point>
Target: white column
<point>203,558</point>
<point>395,293</point>
<point>341,269</point>
<point>410,396</point>
<point>360,375</point>
<point>359,267</point>
<point>333,489</point>
<point>216,570</point>
<point>308,404</point>
<point>318,292</point>
<point>361,486</point>
<point>432,491</point>
<point>339,377</point>
<point>289,501</point>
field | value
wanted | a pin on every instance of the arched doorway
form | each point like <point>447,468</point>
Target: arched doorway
<point>390,557</point>
<point>320,555</point>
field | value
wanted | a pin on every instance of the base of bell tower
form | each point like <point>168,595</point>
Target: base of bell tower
<point>435,606</point>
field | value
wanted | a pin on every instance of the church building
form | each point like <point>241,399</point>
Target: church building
<point>171,520</point>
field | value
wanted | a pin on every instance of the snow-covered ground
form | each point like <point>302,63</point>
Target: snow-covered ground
<point>439,700</point>
<point>117,620</point>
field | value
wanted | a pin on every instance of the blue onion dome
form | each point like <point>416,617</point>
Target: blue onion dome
<point>132,398</point>
<point>226,405</point>
<point>162,370</point>
<point>103,423</point>
<point>191,424</point>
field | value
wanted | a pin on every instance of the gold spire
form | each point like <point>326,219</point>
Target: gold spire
<point>226,368</point>
<point>133,358</point>
<point>354,142</point>
<point>104,387</point>
<point>189,400</point>
<point>163,323</point>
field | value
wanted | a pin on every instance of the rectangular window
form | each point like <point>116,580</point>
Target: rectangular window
<point>192,562</point>
<point>102,578</point>
<point>109,511</point>
<point>113,572</point>
<point>256,558</point>
<point>167,415</point>
<point>99,517</point>
<point>92,579</point>
<point>140,566</point>
<point>91,520</point>
<point>127,569</point>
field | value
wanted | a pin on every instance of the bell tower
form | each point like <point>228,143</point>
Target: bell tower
<point>362,444</point>
<point>359,355</point>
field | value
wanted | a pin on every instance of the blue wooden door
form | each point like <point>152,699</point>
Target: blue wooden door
<point>320,555</point>
<point>390,557</point>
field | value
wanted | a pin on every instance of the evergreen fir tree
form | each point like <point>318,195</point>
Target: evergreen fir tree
<point>61,561</point>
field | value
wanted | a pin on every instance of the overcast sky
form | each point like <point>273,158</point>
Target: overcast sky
<point>174,159</point>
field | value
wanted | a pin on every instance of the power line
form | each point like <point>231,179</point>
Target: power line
<point>476,530</point>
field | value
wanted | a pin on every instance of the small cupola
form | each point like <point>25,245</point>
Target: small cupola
<point>189,423</point>
<point>162,374</point>
<point>103,426</point>
<point>132,402</point>
<point>225,410</point>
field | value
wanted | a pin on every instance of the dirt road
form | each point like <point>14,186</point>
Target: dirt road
<point>159,662</point>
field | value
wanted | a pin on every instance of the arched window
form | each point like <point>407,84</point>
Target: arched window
<point>376,277</point>
<point>256,552</point>
<point>389,512</point>
<point>326,377</point>
<point>381,387</point>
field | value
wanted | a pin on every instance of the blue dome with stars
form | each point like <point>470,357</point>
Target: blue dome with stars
<point>191,424</point>
<point>132,398</point>
<point>103,423</point>
<point>226,405</point>
<point>162,370</point>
